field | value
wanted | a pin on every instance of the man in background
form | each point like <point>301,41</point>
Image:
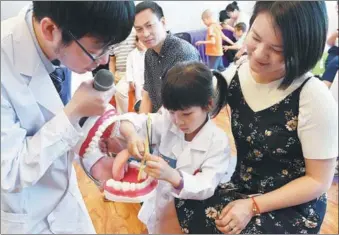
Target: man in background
<point>164,51</point>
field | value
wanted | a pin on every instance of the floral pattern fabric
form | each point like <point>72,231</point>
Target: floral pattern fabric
<point>269,156</point>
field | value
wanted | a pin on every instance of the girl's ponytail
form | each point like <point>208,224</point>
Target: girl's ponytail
<point>221,93</point>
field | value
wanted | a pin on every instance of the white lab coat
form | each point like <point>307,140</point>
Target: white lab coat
<point>208,151</point>
<point>39,191</point>
<point>334,87</point>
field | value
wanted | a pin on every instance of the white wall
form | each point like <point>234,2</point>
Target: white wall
<point>182,15</point>
<point>186,15</point>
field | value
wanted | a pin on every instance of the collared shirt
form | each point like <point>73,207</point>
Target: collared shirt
<point>65,93</point>
<point>174,50</point>
<point>29,20</point>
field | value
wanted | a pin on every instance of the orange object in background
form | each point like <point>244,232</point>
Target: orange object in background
<point>131,101</point>
<point>112,102</point>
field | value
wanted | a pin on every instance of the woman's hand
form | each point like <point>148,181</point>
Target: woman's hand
<point>235,216</point>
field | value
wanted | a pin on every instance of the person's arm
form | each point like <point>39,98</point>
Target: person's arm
<point>146,103</point>
<point>318,134</point>
<point>318,179</point>
<point>203,184</point>
<point>112,63</point>
<point>133,129</point>
<point>225,38</point>
<point>26,157</point>
<point>332,38</point>
<point>208,42</point>
<point>233,47</point>
<point>327,83</point>
<point>240,52</point>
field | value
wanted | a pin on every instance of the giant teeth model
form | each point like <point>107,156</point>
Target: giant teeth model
<point>123,186</point>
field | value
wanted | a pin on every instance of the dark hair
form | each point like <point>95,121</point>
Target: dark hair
<point>303,26</point>
<point>241,26</point>
<point>190,83</point>
<point>154,7</point>
<point>232,7</point>
<point>223,16</point>
<point>108,21</point>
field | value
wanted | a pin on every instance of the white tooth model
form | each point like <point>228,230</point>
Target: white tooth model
<point>127,189</point>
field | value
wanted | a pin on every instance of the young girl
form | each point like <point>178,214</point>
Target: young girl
<point>192,154</point>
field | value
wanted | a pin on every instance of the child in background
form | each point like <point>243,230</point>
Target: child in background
<point>193,153</point>
<point>213,41</point>
<point>240,34</point>
<point>135,71</point>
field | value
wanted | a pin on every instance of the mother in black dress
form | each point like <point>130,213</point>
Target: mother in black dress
<point>285,125</point>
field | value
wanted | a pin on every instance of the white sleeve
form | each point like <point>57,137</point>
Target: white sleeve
<point>241,40</point>
<point>202,185</point>
<point>334,88</point>
<point>229,73</point>
<point>25,159</point>
<point>129,67</point>
<point>159,122</point>
<point>318,121</point>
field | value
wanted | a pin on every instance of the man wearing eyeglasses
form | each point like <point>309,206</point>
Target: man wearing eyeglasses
<point>39,126</point>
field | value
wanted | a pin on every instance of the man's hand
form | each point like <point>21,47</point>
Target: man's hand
<point>87,102</point>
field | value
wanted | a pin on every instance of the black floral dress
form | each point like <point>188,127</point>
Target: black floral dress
<point>269,156</point>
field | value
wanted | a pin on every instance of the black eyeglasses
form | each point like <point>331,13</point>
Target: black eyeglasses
<point>94,58</point>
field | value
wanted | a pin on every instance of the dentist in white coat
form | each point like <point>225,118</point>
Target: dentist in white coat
<point>39,191</point>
